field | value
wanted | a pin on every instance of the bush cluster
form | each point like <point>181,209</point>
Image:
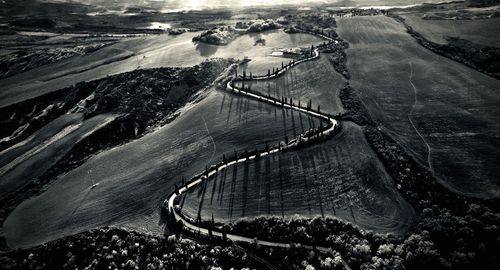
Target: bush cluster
<point>112,248</point>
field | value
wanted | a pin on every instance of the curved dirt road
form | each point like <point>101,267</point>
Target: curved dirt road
<point>329,130</point>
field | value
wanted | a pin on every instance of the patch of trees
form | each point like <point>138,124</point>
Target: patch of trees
<point>483,3</point>
<point>225,34</point>
<point>34,23</point>
<point>440,240</point>
<point>355,111</point>
<point>112,248</point>
<point>296,257</point>
<point>27,59</point>
<point>360,249</point>
<point>367,12</point>
<point>483,58</point>
<point>217,36</point>
<point>336,48</point>
<point>338,57</point>
<point>312,21</point>
<point>260,26</point>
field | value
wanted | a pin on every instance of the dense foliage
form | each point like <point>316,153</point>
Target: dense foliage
<point>225,34</point>
<point>354,109</point>
<point>483,3</point>
<point>24,60</point>
<point>111,248</point>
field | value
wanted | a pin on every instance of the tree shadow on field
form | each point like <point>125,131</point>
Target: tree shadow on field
<point>231,195</point>
<point>220,194</point>
<point>268,184</point>
<point>244,193</point>
<point>297,163</point>
<point>257,182</point>
<point>230,109</point>
<point>320,187</point>
<point>206,50</point>
<point>243,107</point>
<point>293,124</point>
<point>281,175</point>
<point>214,185</point>
<point>202,199</point>
<point>222,102</point>
<point>283,114</point>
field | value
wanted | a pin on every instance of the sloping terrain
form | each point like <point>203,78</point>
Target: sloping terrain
<point>28,160</point>
<point>23,60</point>
<point>145,97</point>
<point>340,177</point>
<point>145,52</point>
<point>315,81</point>
<point>443,112</point>
<point>135,178</point>
<point>57,132</point>
<point>484,32</point>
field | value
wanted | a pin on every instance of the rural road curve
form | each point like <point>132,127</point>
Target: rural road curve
<point>333,124</point>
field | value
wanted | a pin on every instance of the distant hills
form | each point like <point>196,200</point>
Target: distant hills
<point>177,5</point>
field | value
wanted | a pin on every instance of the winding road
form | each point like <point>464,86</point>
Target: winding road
<point>322,132</point>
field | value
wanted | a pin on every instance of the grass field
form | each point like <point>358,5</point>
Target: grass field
<point>444,113</point>
<point>135,178</point>
<point>147,52</point>
<point>341,177</point>
<point>27,160</point>
<point>313,80</point>
<point>484,32</point>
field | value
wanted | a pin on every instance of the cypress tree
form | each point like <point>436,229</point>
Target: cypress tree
<point>224,234</point>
